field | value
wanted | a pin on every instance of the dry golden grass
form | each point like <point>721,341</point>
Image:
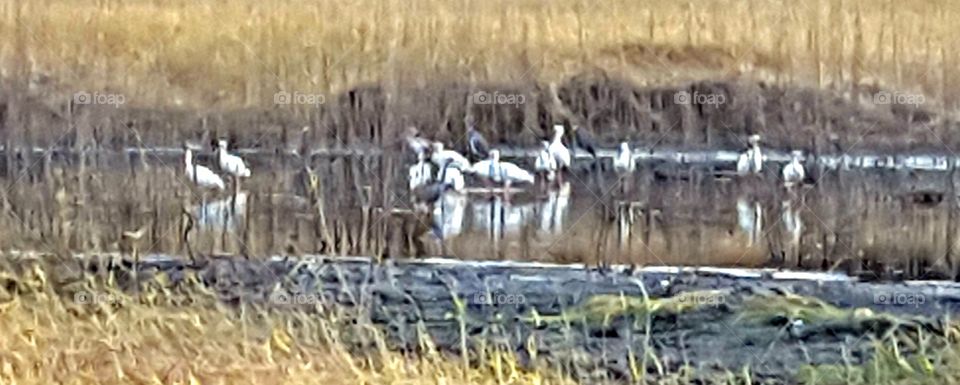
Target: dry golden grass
<point>46,340</point>
<point>240,52</point>
<point>182,334</point>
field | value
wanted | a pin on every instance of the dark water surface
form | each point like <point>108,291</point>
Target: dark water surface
<point>882,222</point>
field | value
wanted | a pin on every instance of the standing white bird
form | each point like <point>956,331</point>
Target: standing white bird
<point>560,152</point>
<point>454,178</point>
<point>546,164</point>
<point>200,175</point>
<point>793,172</point>
<point>743,163</point>
<point>441,157</point>
<point>231,164</point>
<point>751,160</point>
<point>420,173</point>
<point>501,172</point>
<point>623,163</point>
<point>756,157</point>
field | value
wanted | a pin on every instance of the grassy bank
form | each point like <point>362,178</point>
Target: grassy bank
<point>241,52</point>
<point>177,338</point>
<point>58,325</point>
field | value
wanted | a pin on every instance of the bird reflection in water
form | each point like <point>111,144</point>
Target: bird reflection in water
<point>750,219</point>
<point>499,217</point>
<point>222,214</point>
<point>448,214</point>
<point>554,210</point>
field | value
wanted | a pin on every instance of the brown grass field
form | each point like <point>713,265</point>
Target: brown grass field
<point>84,330</point>
<point>184,337</point>
<point>240,52</point>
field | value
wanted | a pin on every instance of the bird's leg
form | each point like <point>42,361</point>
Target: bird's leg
<point>506,191</point>
<point>136,268</point>
<point>443,221</point>
<point>186,236</point>
<point>233,200</point>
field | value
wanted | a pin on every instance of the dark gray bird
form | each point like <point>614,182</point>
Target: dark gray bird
<point>428,194</point>
<point>583,139</point>
<point>479,148</point>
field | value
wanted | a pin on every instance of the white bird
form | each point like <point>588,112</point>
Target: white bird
<point>416,144</point>
<point>560,152</point>
<point>751,160</point>
<point>420,173</point>
<point>501,172</point>
<point>202,176</point>
<point>793,172</point>
<point>546,164</point>
<point>623,162</point>
<point>454,179</point>
<point>441,157</point>
<point>743,163</point>
<point>231,164</point>
<point>754,154</point>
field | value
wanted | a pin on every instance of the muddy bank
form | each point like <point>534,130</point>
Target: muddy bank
<point>593,325</point>
<point>705,114</point>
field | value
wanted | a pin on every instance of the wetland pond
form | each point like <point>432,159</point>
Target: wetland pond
<point>867,216</point>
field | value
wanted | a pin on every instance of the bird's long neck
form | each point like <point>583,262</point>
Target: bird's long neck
<point>443,172</point>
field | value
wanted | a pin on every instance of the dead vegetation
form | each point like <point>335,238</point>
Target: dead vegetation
<point>86,331</point>
<point>62,325</point>
<point>240,52</point>
<point>804,73</point>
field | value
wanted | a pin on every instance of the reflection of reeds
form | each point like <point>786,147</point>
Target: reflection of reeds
<point>856,222</point>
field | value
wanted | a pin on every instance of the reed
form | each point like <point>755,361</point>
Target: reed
<point>241,52</point>
<point>173,336</point>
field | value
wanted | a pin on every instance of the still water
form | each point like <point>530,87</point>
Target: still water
<point>868,221</point>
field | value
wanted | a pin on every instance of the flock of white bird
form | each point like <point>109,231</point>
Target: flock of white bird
<point>553,160</point>
<point>204,177</point>
<point>751,162</point>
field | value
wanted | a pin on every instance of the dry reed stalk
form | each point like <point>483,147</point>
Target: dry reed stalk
<point>150,50</point>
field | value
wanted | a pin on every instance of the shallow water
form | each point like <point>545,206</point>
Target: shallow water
<point>874,222</point>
